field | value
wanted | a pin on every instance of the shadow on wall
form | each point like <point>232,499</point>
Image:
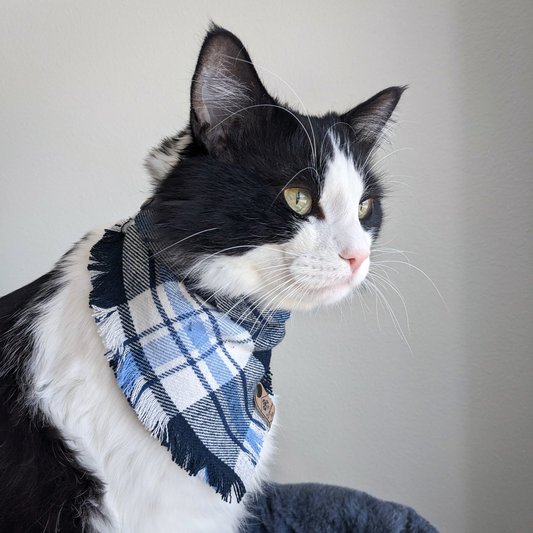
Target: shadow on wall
<point>497,255</point>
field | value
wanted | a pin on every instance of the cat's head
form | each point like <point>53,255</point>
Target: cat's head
<point>255,198</point>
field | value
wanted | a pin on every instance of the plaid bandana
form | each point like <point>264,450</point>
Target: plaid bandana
<point>188,367</point>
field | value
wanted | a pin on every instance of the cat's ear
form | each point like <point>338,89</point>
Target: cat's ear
<point>370,118</point>
<point>225,85</point>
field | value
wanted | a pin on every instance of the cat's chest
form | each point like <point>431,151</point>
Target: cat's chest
<point>75,387</point>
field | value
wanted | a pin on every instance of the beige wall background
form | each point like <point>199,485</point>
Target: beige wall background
<point>444,424</point>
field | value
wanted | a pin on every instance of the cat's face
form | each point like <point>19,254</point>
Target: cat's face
<point>256,199</point>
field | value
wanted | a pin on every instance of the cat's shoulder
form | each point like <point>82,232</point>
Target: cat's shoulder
<point>43,484</point>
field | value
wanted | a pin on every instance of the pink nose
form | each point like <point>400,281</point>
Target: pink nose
<point>356,260</point>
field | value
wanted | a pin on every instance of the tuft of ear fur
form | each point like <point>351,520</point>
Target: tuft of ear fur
<point>225,85</point>
<point>370,118</point>
<point>163,158</point>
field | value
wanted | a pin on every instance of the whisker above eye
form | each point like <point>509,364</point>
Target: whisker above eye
<point>340,122</point>
<point>293,91</point>
<point>285,186</point>
<point>374,165</point>
<point>269,105</point>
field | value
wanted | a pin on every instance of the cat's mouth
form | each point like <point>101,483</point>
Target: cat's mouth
<point>326,295</point>
<point>312,291</point>
<point>335,292</point>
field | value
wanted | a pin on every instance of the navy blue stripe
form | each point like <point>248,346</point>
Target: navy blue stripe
<point>190,359</point>
<point>175,369</point>
<point>178,368</point>
<point>142,364</point>
<point>157,327</point>
<point>242,375</point>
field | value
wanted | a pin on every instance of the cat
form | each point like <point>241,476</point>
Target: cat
<point>252,199</point>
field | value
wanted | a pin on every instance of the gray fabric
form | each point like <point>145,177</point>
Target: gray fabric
<point>316,508</point>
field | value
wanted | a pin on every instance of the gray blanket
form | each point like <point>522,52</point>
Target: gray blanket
<point>316,508</point>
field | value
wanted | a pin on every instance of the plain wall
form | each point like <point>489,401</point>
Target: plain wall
<point>443,423</point>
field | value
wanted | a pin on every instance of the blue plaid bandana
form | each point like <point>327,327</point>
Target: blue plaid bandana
<point>188,367</point>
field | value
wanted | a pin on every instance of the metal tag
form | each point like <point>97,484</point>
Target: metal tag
<point>264,404</point>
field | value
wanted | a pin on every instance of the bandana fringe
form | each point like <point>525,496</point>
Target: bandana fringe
<point>106,265</point>
<point>221,477</point>
<point>109,326</point>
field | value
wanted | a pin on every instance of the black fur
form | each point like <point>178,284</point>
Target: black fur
<point>228,185</point>
<point>43,488</point>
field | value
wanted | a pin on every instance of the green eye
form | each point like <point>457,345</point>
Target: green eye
<point>299,200</point>
<point>365,208</point>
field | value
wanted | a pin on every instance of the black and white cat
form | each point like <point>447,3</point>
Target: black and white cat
<point>253,199</point>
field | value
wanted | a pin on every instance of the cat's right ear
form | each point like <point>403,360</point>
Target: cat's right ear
<point>225,86</point>
<point>370,118</point>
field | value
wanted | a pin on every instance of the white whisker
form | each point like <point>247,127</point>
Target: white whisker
<point>182,240</point>
<point>285,186</point>
<point>387,282</point>
<point>293,91</point>
<point>422,272</point>
<point>268,105</point>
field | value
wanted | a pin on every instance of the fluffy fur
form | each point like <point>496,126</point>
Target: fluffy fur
<point>75,454</point>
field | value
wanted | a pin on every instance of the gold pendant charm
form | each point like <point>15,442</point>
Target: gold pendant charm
<point>264,404</point>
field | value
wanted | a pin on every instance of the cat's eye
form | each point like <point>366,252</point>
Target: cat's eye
<point>365,209</point>
<point>299,200</point>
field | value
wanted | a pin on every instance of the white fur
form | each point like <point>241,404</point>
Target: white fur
<point>161,160</point>
<point>74,386</point>
<point>146,492</point>
<point>218,93</point>
<point>309,270</point>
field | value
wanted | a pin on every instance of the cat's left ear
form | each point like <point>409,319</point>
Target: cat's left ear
<point>370,118</point>
<point>224,91</point>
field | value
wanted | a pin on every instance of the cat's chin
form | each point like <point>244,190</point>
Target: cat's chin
<point>318,297</point>
<point>331,294</point>
<point>240,277</point>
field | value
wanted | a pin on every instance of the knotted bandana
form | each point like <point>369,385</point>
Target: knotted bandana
<point>188,365</point>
